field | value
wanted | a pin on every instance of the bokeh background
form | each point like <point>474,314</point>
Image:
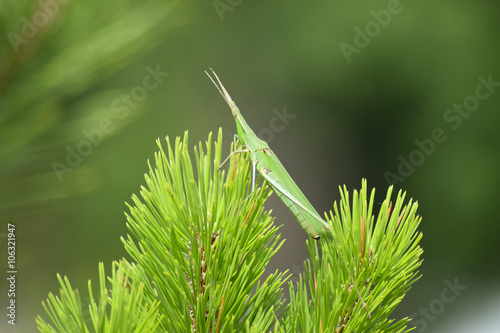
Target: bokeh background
<point>359,82</point>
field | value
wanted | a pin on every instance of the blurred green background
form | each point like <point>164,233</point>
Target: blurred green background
<point>359,82</point>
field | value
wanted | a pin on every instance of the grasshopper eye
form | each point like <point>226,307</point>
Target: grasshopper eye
<point>264,171</point>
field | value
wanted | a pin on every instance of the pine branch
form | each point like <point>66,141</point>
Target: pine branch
<point>53,53</point>
<point>204,240</point>
<point>200,241</point>
<point>125,309</point>
<point>383,257</point>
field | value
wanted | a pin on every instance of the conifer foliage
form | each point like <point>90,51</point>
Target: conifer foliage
<point>200,240</point>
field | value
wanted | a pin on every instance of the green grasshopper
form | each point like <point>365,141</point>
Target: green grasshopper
<point>271,169</point>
